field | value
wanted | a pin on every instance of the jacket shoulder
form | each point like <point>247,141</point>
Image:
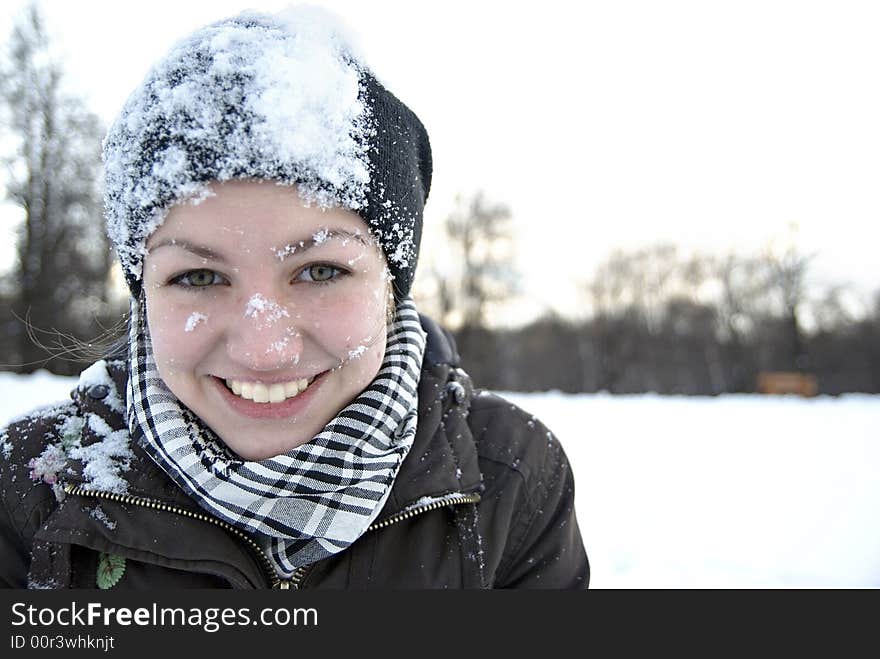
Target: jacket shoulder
<point>509,435</point>
<point>527,474</point>
<point>28,463</point>
<point>516,449</point>
<point>33,448</point>
<point>100,389</point>
<point>27,437</point>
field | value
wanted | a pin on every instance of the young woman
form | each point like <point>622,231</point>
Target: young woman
<point>283,416</point>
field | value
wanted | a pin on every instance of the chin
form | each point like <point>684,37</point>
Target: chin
<point>263,447</point>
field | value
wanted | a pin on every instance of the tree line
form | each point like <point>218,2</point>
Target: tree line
<point>654,319</point>
<point>678,346</point>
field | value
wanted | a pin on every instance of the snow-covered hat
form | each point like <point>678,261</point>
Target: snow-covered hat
<point>283,98</point>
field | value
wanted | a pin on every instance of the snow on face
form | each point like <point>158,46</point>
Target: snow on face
<point>281,346</point>
<point>264,311</point>
<point>283,252</point>
<point>271,320</point>
<point>252,97</point>
<point>194,319</point>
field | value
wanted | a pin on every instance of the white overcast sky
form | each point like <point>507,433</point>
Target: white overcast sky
<point>713,125</point>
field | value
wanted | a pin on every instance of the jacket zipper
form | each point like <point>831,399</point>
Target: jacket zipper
<point>276,582</point>
<point>455,500</point>
<point>77,490</point>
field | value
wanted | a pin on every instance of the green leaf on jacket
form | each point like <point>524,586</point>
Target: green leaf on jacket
<point>110,570</point>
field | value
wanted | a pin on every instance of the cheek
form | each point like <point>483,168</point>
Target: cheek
<point>179,333</point>
<point>350,315</point>
<point>352,320</point>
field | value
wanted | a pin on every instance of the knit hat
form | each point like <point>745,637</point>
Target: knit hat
<point>283,98</point>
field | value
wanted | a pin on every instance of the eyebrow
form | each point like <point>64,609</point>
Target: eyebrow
<point>288,249</point>
<point>198,250</point>
<point>318,238</point>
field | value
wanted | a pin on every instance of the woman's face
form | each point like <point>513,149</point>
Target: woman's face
<point>267,316</point>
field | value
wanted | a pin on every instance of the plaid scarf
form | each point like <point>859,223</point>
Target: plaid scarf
<point>314,500</point>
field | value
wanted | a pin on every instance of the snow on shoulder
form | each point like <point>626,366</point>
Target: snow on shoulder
<point>104,459</point>
<point>98,375</point>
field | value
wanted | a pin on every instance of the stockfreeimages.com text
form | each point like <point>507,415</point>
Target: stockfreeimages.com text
<point>211,619</point>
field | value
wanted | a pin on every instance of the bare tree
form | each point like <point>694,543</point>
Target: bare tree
<point>634,296</point>
<point>470,278</point>
<point>787,279</point>
<point>480,243</point>
<point>63,258</point>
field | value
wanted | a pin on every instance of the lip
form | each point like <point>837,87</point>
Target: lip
<point>283,410</point>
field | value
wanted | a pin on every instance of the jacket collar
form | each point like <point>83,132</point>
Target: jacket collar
<point>443,459</point>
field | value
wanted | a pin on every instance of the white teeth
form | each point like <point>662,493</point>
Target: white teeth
<point>273,393</point>
<point>293,388</point>
<point>261,393</point>
<point>247,390</point>
<point>276,393</point>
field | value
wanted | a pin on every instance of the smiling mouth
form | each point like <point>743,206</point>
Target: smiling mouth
<point>268,393</point>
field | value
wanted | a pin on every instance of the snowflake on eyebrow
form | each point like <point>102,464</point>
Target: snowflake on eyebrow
<point>283,252</point>
<point>322,236</point>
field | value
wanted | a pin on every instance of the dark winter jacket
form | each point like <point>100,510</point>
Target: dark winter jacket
<point>485,499</point>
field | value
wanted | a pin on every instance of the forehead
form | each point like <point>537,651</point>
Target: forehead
<point>253,213</point>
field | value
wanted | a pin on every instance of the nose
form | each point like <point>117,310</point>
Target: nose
<point>264,336</point>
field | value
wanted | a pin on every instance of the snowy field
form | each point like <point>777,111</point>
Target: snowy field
<point>730,492</point>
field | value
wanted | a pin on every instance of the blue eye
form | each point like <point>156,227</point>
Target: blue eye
<point>320,273</point>
<point>198,279</point>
